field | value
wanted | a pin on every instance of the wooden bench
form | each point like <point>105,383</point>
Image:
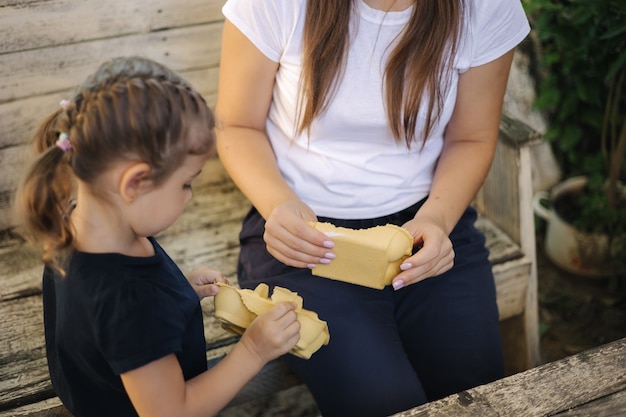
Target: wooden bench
<point>47,47</point>
<point>591,383</point>
<point>207,233</point>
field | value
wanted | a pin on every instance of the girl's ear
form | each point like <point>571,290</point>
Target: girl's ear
<point>132,181</point>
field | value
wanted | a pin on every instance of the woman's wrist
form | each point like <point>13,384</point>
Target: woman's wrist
<point>445,216</point>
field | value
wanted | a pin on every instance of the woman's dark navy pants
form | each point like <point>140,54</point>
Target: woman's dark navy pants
<point>391,350</point>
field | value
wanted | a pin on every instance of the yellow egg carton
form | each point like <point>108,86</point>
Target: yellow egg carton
<point>369,257</point>
<point>236,308</point>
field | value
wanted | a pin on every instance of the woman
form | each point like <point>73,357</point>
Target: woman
<point>363,113</point>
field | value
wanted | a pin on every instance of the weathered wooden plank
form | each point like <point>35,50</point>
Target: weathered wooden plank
<point>23,370</point>
<point>54,22</point>
<point>25,380</point>
<point>26,278</point>
<point>501,247</point>
<point>610,406</point>
<point>511,280</point>
<point>12,161</point>
<point>542,391</point>
<point>45,71</point>
<point>506,199</point>
<point>498,198</point>
<point>48,408</point>
<point>518,134</point>
<point>21,330</point>
<point>510,267</point>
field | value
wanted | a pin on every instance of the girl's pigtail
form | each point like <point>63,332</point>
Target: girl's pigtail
<point>43,197</point>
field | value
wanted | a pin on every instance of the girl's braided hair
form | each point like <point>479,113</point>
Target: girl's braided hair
<point>130,108</point>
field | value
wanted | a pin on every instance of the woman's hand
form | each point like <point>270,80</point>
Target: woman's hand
<point>294,242</point>
<point>435,256</point>
<point>203,280</point>
<point>273,333</point>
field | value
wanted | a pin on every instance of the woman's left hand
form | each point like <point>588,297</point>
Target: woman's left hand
<point>203,280</point>
<point>435,256</point>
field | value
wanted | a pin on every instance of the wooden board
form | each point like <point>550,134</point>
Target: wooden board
<point>546,390</point>
<point>36,24</point>
<point>40,72</point>
<point>51,407</point>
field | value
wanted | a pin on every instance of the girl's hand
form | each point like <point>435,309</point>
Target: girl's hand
<point>291,240</point>
<point>273,334</point>
<point>203,280</point>
<point>435,256</point>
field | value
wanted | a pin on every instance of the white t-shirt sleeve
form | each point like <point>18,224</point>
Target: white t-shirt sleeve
<point>266,23</point>
<point>498,27</point>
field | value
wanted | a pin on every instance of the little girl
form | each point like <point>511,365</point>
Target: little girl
<point>123,326</point>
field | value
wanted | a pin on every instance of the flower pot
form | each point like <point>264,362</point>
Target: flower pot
<point>581,253</point>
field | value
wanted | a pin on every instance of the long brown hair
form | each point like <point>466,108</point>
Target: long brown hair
<point>129,108</point>
<point>423,55</point>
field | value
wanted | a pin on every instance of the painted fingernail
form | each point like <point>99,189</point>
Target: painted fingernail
<point>310,266</point>
<point>329,244</point>
<point>324,261</point>
<point>405,266</point>
<point>397,284</point>
<point>330,255</point>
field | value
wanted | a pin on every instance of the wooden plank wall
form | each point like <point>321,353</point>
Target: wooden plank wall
<point>48,47</point>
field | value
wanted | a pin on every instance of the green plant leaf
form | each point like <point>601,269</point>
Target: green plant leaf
<point>583,48</point>
<point>570,136</point>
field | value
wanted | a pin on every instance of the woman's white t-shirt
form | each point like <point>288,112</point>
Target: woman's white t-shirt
<point>349,165</point>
